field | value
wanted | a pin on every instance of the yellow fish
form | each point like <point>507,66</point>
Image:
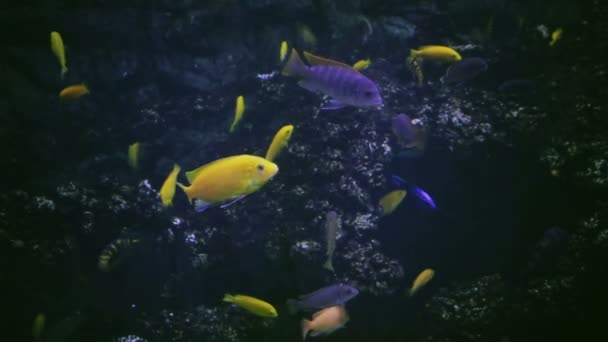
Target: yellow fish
<point>74,92</point>
<point>38,326</point>
<point>435,53</point>
<point>227,180</point>
<point>133,155</point>
<point>555,36</point>
<point>283,52</point>
<point>422,279</point>
<point>255,306</point>
<point>279,141</point>
<point>238,112</point>
<point>391,200</point>
<point>416,69</point>
<point>114,253</point>
<point>167,191</point>
<point>362,64</point>
<point>325,322</point>
<point>59,51</point>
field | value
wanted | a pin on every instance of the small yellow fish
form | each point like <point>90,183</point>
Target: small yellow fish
<point>38,326</point>
<point>279,141</point>
<point>283,52</point>
<point>435,53</point>
<point>416,69</point>
<point>391,200</point>
<point>255,306</point>
<point>227,180</point>
<point>74,92</point>
<point>238,112</point>
<point>362,64</point>
<point>422,279</point>
<point>325,322</point>
<point>306,34</point>
<point>167,191</point>
<point>556,36</point>
<point>59,51</point>
<point>133,155</point>
<point>115,252</point>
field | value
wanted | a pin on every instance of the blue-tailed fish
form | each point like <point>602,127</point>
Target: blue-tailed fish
<point>362,64</point>
<point>38,326</point>
<point>322,298</point>
<point>283,51</point>
<point>255,306</point>
<point>59,51</point>
<point>167,191</point>
<point>74,92</point>
<point>133,155</point>
<point>556,36</point>
<point>417,191</point>
<point>391,201</point>
<point>463,71</point>
<point>280,140</point>
<point>227,180</point>
<point>115,252</point>
<point>325,322</point>
<point>342,82</point>
<point>332,227</point>
<point>239,109</point>
<point>421,280</point>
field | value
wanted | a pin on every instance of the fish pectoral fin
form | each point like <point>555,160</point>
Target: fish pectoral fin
<point>200,205</point>
<point>231,202</point>
<point>333,104</point>
<point>308,85</point>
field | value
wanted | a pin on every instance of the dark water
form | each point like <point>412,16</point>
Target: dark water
<point>517,240</point>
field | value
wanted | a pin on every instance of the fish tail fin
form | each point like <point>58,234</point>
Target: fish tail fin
<point>328,265</point>
<point>292,306</point>
<point>186,190</point>
<point>295,66</point>
<point>305,328</point>
<point>176,168</point>
<point>413,53</point>
<point>64,70</point>
<point>228,298</point>
<point>410,292</point>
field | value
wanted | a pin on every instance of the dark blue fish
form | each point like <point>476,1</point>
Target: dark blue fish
<point>345,85</point>
<point>408,135</point>
<point>465,70</point>
<point>322,298</point>
<point>412,188</point>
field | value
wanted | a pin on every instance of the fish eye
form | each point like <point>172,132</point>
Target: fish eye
<point>260,167</point>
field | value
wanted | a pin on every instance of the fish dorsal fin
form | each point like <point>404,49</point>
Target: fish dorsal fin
<point>316,60</point>
<point>191,175</point>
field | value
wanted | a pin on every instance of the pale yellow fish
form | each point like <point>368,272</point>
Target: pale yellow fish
<point>362,64</point>
<point>38,326</point>
<point>238,112</point>
<point>307,35</point>
<point>255,306</point>
<point>167,191</point>
<point>133,155</point>
<point>325,322</point>
<point>113,253</point>
<point>332,227</point>
<point>280,140</point>
<point>391,201</point>
<point>74,92</point>
<point>421,280</point>
<point>284,49</point>
<point>556,36</point>
<point>59,51</point>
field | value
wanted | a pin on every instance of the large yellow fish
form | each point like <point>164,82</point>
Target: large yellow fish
<point>325,322</point>
<point>59,51</point>
<point>280,140</point>
<point>227,180</point>
<point>283,52</point>
<point>167,191</point>
<point>255,306</point>
<point>422,279</point>
<point>238,112</point>
<point>74,92</point>
<point>391,201</point>
<point>555,36</point>
<point>362,64</point>
<point>435,53</point>
<point>133,155</point>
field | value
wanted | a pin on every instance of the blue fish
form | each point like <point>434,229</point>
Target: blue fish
<point>322,298</point>
<point>345,85</point>
<point>412,188</point>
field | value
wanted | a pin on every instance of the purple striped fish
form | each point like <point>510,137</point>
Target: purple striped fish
<point>345,85</point>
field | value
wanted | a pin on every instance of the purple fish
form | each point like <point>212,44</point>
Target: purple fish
<point>345,85</point>
<point>322,298</point>
<point>418,192</point>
